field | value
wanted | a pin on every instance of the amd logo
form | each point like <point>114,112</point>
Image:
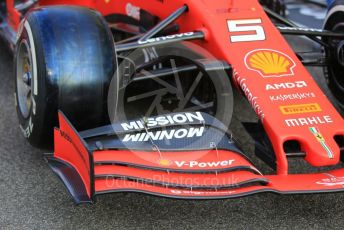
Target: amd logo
<point>286,85</point>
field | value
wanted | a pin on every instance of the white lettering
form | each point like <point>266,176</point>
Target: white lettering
<point>286,85</point>
<point>170,37</point>
<point>308,121</point>
<point>164,135</point>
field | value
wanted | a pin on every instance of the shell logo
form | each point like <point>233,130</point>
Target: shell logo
<point>165,162</point>
<point>270,63</point>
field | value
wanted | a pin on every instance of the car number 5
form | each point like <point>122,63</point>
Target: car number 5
<point>253,27</point>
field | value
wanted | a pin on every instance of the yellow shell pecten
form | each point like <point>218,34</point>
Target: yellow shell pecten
<point>270,62</point>
<point>165,162</point>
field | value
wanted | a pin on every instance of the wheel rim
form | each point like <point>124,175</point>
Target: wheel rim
<point>24,83</point>
<point>183,97</point>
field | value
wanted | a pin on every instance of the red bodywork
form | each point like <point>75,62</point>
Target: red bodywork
<point>312,121</point>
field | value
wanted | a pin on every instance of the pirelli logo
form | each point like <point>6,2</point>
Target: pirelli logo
<point>300,109</point>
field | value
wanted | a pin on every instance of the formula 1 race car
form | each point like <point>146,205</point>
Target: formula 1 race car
<point>141,93</point>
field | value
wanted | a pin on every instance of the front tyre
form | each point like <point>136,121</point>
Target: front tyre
<point>64,60</point>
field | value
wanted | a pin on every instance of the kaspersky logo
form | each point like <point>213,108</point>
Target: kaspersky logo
<point>321,140</point>
<point>270,63</point>
<point>195,164</point>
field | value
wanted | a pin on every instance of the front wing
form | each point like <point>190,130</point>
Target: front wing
<point>90,166</point>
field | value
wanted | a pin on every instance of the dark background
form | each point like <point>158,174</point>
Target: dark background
<point>31,196</point>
